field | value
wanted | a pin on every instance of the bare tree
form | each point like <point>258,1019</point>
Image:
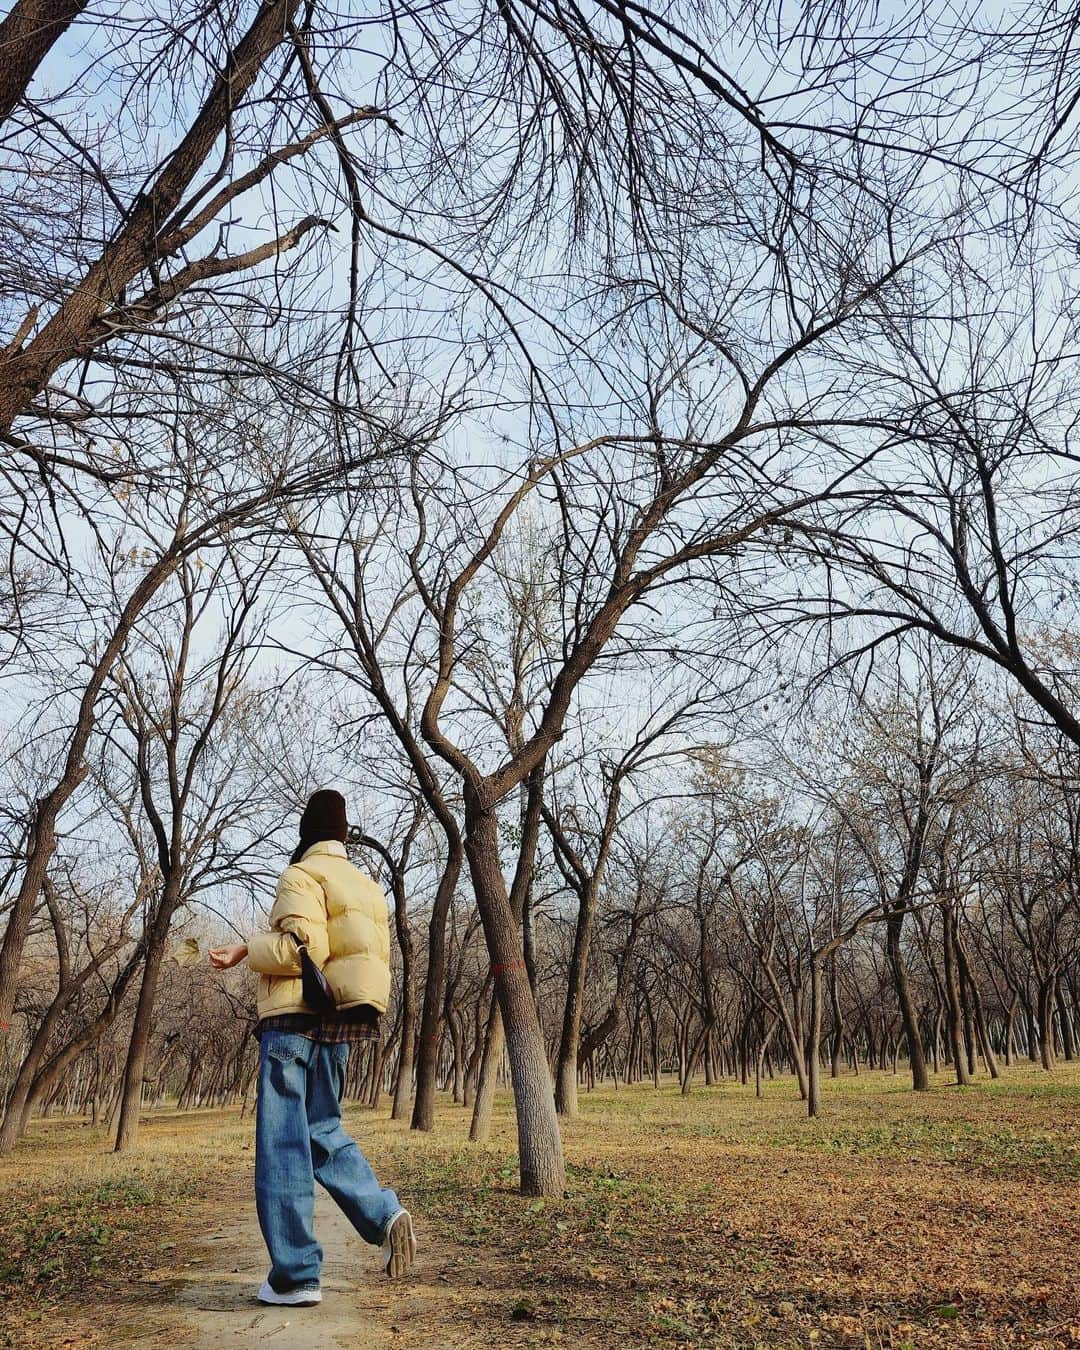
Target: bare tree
<point>189,718</point>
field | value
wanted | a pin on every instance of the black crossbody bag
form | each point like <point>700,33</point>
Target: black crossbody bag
<point>317,994</point>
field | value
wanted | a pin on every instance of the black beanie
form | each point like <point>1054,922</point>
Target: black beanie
<point>323,818</point>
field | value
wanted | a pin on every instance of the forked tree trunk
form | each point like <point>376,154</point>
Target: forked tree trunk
<point>791,1031</point>
<point>136,245</point>
<point>15,1113</point>
<point>920,1079</point>
<point>15,1122</point>
<point>691,1062</point>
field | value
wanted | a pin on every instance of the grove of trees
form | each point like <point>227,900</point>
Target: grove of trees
<point>629,450</point>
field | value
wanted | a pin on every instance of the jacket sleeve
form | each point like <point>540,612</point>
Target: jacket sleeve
<point>300,908</point>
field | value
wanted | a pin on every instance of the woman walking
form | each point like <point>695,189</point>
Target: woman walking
<point>331,910</point>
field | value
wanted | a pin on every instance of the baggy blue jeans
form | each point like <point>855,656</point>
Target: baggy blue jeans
<point>299,1139</point>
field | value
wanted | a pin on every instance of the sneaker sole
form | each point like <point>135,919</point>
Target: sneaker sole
<point>307,1299</point>
<point>402,1246</point>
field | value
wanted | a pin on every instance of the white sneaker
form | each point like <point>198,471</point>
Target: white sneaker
<point>295,1298</point>
<point>399,1244</point>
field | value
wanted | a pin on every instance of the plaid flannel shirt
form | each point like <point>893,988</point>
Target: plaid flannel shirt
<point>353,1025</point>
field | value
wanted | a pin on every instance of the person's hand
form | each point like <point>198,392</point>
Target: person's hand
<point>224,958</point>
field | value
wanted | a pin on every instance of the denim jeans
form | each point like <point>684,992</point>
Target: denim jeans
<point>299,1139</point>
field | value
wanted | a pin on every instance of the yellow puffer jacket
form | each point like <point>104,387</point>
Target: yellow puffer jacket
<point>340,915</point>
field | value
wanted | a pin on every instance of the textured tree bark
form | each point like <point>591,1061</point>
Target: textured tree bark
<point>566,1072</point>
<point>404,1071</point>
<point>27,34</point>
<point>1046,1023</point>
<point>952,993</point>
<point>920,1079</point>
<point>539,1142</point>
<point>813,1096</point>
<point>495,1037</point>
<point>494,1043</point>
<point>137,245</point>
<point>58,1062</point>
<point>1068,1045</point>
<point>127,1130</point>
<point>838,1021</point>
<point>427,1056</point>
<point>982,1030</point>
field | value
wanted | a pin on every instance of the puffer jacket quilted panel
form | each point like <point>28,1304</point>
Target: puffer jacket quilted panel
<point>340,913</point>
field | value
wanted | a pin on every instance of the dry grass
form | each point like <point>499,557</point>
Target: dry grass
<point>896,1220</point>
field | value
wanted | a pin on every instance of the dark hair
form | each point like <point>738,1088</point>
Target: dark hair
<point>323,818</point>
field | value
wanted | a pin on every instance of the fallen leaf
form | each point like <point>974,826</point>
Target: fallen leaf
<point>186,953</point>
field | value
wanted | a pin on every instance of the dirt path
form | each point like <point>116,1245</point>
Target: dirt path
<point>207,1295</point>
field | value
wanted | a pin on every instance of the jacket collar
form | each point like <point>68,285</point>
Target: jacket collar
<point>333,848</point>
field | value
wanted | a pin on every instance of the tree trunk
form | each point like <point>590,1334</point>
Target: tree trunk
<point>920,1079</point>
<point>566,1065</point>
<point>60,1059</point>
<point>759,1059</point>
<point>1068,1044</point>
<point>1010,1032</point>
<point>692,1058</point>
<point>952,994</point>
<point>494,1041</point>
<point>127,1131</point>
<point>427,1057</point>
<point>791,1031</point>
<point>981,1028</point>
<point>136,244</point>
<point>457,1067</point>
<point>838,1021</point>
<point>539,1141</point>
<point>813,1096</point>
<point>1046,1023</point>
<point>404,1071</point>
<point>14,1125</point>
<point>476,1054</point>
